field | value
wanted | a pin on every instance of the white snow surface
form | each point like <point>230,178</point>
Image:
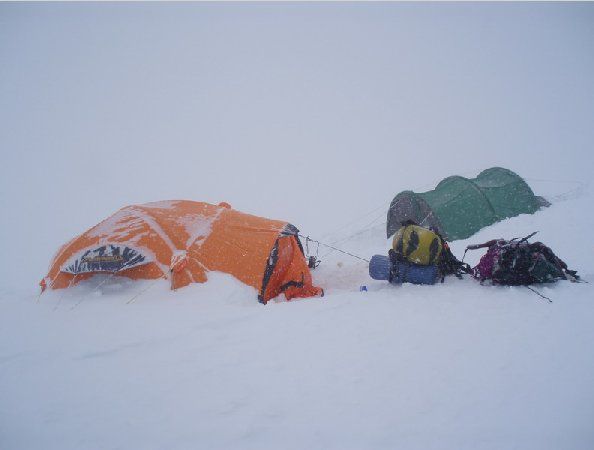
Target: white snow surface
<point>317,114</point>
<point>457,365</point>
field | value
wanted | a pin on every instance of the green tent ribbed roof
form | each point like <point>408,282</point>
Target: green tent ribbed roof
<point>458,207</point>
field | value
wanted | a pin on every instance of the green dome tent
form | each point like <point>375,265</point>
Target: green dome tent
<point>458,207</point>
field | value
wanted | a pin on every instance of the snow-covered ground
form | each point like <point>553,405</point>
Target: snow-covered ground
<point>457,365</point>
<point>317,114</point>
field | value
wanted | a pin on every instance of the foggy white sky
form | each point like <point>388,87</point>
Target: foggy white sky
<point>312,113</point>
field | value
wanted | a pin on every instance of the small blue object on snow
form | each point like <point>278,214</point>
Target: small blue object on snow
<point>363,288</point>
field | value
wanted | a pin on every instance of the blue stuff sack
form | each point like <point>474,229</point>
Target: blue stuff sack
<point>381,268</point>
<point>405,272</point>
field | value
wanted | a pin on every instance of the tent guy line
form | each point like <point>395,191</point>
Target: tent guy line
<point>334,248</point>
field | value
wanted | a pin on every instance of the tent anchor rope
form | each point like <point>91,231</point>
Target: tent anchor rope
<point>135,296</point>
<point>383,205</point>
<point>539,294</point>
<point>333,248</point>
<point>63,293</point>
<point>51,285</point>
<point>96,287</point>
<point>359,231</point>
<point>114,273</point>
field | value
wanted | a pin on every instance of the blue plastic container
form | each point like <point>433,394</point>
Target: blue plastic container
<point>402,272</point>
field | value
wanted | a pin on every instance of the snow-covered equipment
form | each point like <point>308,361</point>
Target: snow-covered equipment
<point>399,271</point>
<point>421,246</point>
<point>417,244</point>
<point>458,207</point>
<point>182,241</point>
<point>418,256</point>
<point>518,262</point>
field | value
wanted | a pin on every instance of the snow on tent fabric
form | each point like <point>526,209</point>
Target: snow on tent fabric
<point>459,207</point>
<point>183,240</point>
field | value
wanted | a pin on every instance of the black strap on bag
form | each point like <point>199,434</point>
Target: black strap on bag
<point>450,265</point>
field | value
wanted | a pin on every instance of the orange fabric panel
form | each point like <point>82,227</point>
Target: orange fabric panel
<point>291,275</point>
<point>158,230</point>
<point>149,271</point>
<point>240,245</point>
<point>192,272</point>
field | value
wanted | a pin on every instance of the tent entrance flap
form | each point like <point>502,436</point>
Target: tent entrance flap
<point>287,272</point>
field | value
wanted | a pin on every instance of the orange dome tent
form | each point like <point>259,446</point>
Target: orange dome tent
<point>183,240</point>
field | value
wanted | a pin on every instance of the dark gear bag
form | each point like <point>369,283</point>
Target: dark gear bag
<point>518,262</point>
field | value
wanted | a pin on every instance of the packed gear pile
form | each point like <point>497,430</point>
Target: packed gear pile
<point>518,262</point>
<point>421,256</point>
<point>418,255</point>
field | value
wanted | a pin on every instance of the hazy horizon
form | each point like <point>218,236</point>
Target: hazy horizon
<point>313,113</point>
